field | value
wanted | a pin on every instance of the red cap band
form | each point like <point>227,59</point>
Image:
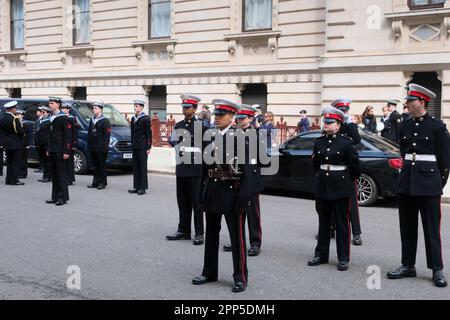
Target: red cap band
<point>224,107</point>
<point>247,113</point>
<point>342,104</point>
<point>190,101</point>
<point>333,116</point>
<point>420,95</point>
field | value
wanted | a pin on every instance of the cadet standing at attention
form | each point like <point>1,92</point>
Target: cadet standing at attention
<point>141,143</point>
<point>59,148</point>
<point>74,125</point>
<point>41,142</point>
<point>99,134</point>
<point>188,174</point>
<point>337,166</point>
<point>425,147</point>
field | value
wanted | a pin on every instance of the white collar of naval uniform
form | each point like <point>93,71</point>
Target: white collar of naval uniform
<point>137,118</point>
<point>95,120</point>
<point>53,117</point>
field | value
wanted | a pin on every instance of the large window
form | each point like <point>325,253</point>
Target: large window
<point>159,13</point>
<point>82,27</point>
<point>257,15</point>
<point>17,24</point>
<point>425,4</point>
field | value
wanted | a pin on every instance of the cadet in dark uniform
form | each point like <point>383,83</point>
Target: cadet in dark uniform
<point>225,190</point>
<point>392,123</point>
<point>74,125</point>
<point>13,134</point>
<point>425,147</point>
<point>59,148</point>
<point>27,142</point>
<point>244,119</point>
<point>99,135</point>
<point>39,113</point>
<point>1,145</point>
<point>141,142</point>
<point>188,171</point>
<point>350,130</point>
<point>337,166</point>
<point>41,142</point>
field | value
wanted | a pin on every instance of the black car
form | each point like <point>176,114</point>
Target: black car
<point>380,158</point>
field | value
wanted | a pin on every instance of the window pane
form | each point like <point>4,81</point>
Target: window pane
<point>82,22</point>
<point>160,18</point>
<point>419,2</point>
<point>258,14</point>
<point>17,24</point>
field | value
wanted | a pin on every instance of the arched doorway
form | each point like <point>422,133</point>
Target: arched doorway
<point>430,81</point>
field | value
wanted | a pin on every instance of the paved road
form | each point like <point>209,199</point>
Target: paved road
<point>118,241</point>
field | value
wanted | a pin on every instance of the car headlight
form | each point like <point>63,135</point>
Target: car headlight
<point>112,141</point>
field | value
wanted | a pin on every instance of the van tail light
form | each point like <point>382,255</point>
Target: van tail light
<point>396,163</point>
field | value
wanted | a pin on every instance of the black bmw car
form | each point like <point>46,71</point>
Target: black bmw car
<point>380,158</point>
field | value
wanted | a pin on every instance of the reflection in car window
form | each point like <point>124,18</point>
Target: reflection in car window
<point>301,143</point>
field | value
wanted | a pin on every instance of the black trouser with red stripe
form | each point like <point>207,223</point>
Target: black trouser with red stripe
<point>236,228</point>
<point>100,177</point>
<point>354,212</point>
<point>341,210</point>
<point>254,222</point>
<point>430,212</point>
<point>187,199</point>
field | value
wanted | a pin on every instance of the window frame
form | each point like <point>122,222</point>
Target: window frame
<point>149,13</point>
<point>412,6</point>
<point>256,30</point>
<point>11,24</point>
<point>74,29</point>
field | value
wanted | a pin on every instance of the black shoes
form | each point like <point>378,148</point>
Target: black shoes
<point>141,192</point>
<point>254,251</point>
<point>439,279</point>
<point>45,180</point>
<point>342,266</point>
<point>239,287</point>
<point>60,202</point>
<point>51,201</point>
<point>18,183</point>
<point>133,191</point>
<point>198,240</point>
<point>402,272</point>
<point>92,186</point>
<point>227,248</point>
<point>202,280</point>
<point>357,241</point>
<point>315,261</point>
<point>178,236</point>
<point>101,187</point>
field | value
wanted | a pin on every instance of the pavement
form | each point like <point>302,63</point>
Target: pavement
<point>118,242</point>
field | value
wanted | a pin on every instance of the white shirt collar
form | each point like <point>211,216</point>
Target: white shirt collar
<point>222,132</point>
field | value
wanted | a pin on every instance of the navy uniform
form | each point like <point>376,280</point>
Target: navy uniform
<point>188,174</point>
<point>1,147</point>
<point>225,190</point>
<point>59,145</point>
<point>27,142</point>
<point>254,212</point>
<point>141,143</point>
<point>13,134</point>
<point>337,166</point>
<point>43,126</point>
<point>392,123</point>
<point>74,134</point>
<point>425,147</point>
<point>351,130</point>
<point>99,135</point>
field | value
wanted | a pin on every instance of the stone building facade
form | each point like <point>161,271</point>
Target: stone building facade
<point>286,55</point>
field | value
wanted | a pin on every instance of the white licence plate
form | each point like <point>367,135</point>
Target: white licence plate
<point>128,156</point>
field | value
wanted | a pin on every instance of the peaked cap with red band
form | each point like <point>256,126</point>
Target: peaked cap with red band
<point>331,115</point>
<point>418,92</point>
<point>341,103</point>
<point>189,101</point>
<point>223,106</point>
<point>246,111</point>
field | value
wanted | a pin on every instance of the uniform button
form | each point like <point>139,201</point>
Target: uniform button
<point>329,141</point>
<point>327,174</point>
<point>415,134</point>
<point>215,169</point>
<point>328,149</point>
<point>432,170</point>
<point>413,163</point>
<point>231,187</point>
<point>338,152</point>
<point>215,180</point>
<point>414,144</point>
<point>426,138</point>
<point>187,125</point>
<point>326,158</point>
<point>228,154</point>
<point>417,124</point>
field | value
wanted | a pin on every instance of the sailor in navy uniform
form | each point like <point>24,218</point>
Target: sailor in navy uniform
<point>13,133</point>
<point>350,130</point>
<point>392,122</point>
<point>1,146</point>
<point>225,190</point>
<point>425,147</point>
<point>70,162</point>
<point>141,143</point>
<point>188,171</point>
<point>27,142</point>
<point>337,166</point>
<point>39,116</point>
<point>59,148</point>
<point>43,126</point>
<point>99,135</point>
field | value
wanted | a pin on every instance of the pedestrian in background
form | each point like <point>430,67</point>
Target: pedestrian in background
<point>369,121</point>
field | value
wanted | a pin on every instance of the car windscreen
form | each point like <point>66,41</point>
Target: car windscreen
<point>381,144</point>
<point>110,112</point>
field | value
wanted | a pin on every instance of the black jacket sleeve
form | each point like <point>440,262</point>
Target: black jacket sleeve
<point>106,135</point>
<point>353,163</point>
<point>443,153</point>
<point>67,132</point>
<point>148,132</point>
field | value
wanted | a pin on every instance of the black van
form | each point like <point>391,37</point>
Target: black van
<point>120,153</point>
